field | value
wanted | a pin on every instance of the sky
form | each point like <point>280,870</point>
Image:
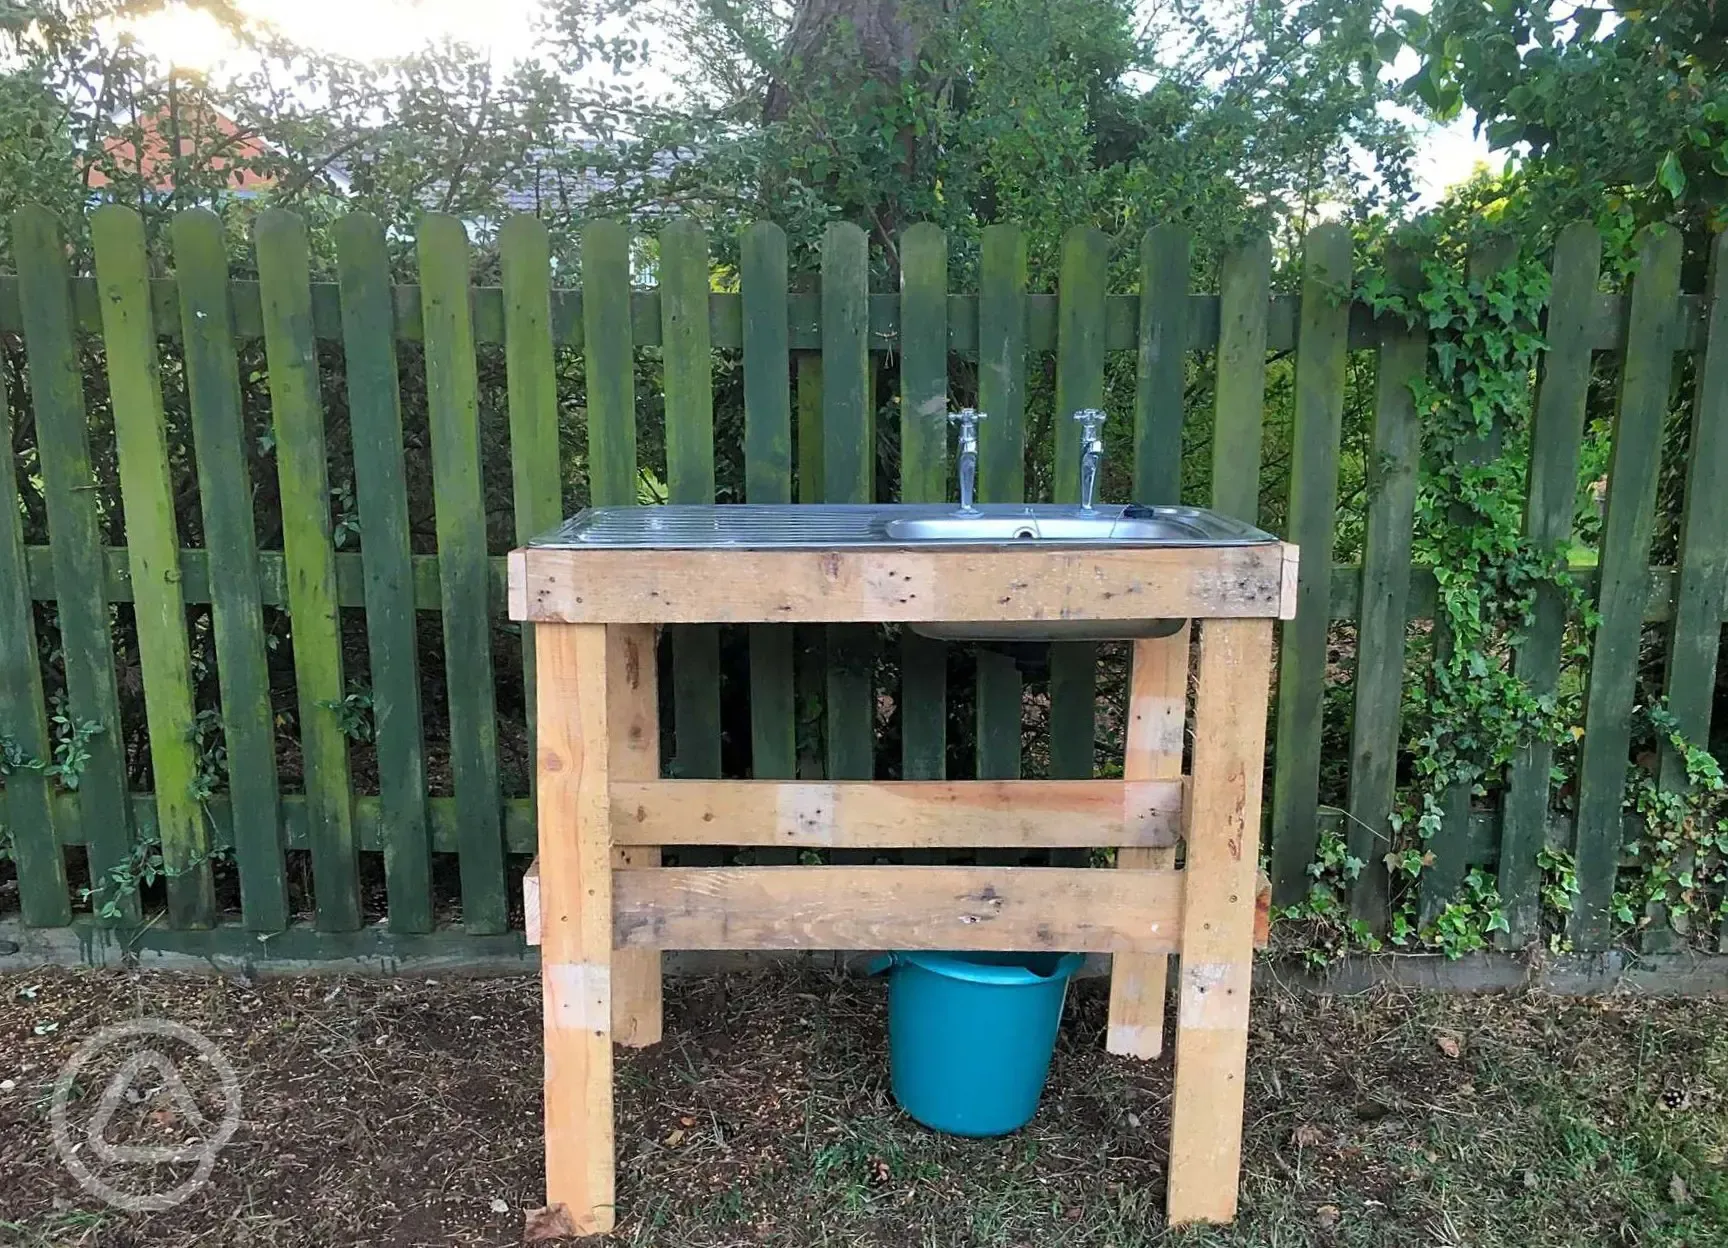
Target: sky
<point>381,29</point>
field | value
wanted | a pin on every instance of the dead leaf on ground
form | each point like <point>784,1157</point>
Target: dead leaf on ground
<point>1307,1135</point>
<point>547,1223</point>
<point>1327,1216</point>
<point>1678,1192</point>
<point>1449,1044</point>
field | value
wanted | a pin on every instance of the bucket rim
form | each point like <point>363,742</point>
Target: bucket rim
<point>959,966</point>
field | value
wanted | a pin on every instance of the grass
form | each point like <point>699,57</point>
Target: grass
<point>393,1113</point>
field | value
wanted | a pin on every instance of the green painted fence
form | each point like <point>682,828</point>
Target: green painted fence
<point>288,844</point>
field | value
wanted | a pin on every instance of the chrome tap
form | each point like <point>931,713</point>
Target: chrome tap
<point>1091,452</point>
<point>967,459</point>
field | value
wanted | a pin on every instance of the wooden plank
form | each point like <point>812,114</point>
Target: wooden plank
<point>1217,930</point>
<point>901,586</point>
<point>1079,385</point>
<point>43,899</point>
<point>1244,276</point>
<point>153,544</point>
<point>1557,428</point>
<point>531,383</point>
<point>233,579</point>
<point>392,636</point>
<point>923,479</point>
<point>849,444</point>
<point>71,494</point>
<point>898,907</point>
<point>1626,531</point>
<point>303,477</point>
<point>848,476</point>
<point>1312,514</point>
<point>1161,364</point>
<point>1394,458</point>
<point>453,412</point>
<point>768,479</point>
<point>1689,683</point>
<point>909,814</point>
<point>576,927</point>
<point>1157,718</point>
<point>1001,470</point>
<point>633,716</point>
<point>611,371</point>
<point>690,479</point>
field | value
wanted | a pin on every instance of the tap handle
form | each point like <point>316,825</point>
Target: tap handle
<point>968,420</point>
<point>1091,422</point>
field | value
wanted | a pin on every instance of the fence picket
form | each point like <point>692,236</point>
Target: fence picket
<point>42,896</point>
<point>1238,412</point>
<point>1161,364</point>
<point>923,479</point>
<point>1382,628</point>
<point>768,479</point>
<point>70,490</point>
<point>153,546</point>
<point>452,408</point>
<point>381,492</point>
<point>1557,428</point>
<point>611,370</point>
<point>1079,384</point>
<point>531,385</point>
<point>1312,516</point>
<point>231,545</point>
<point>1626,531</point>
<point>1001,468</point>
<point>1157,713</point>
<point>303,475</point>
<point>690,479</point>
<point>1696,631</point>
<point>848,459</point>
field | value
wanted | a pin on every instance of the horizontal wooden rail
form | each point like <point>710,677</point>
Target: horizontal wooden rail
<point>894,907</point>
<point>901,585</point>
<point>803,317</point>
<point>1344,599</point>
<point>1070,909</point>
<point>908,814</point>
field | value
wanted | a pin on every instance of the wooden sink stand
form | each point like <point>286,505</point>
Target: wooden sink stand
<point>605,909</point>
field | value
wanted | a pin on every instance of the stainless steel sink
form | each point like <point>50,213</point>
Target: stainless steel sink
<point>757,526</point>
<point>1022,524</point>
<point>909,525</point>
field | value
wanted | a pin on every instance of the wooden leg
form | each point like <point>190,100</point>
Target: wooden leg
<point>576,929</point>
<point>1157,714</point>
<point>633,712</point>
<point>1217,946</point>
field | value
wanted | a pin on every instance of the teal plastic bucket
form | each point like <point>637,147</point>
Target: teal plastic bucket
<point>970,1035</point>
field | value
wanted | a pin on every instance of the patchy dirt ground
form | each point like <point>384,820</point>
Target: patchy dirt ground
<point>379,1112</point>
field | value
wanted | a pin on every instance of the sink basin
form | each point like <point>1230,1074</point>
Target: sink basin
<point>770,526</point>
<point>910,525</point>
<point>1023,524</point>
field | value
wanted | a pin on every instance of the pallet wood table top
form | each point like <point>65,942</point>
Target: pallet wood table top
<point>905,585</point>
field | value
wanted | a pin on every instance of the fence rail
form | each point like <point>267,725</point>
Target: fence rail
<point>810,363</point>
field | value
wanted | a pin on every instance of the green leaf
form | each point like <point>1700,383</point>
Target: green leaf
<point>1671,176</point>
